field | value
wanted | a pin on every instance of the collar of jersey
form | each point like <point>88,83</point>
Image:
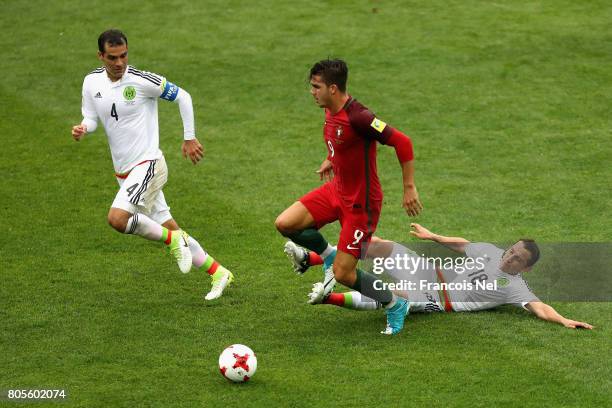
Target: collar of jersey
<point>506,274</point>
<point>119,82</point>
<point>346,105</point>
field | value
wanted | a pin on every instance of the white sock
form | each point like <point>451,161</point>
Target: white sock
<point>198,254</point>
<point>362,302</point>
<point>328,251</point>
<point>140,224</point>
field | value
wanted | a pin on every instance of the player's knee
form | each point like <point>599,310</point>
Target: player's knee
<point>343,274</point>
<point>117,221</point>
<point>283,225</point>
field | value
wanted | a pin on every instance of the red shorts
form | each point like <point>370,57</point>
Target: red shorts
<point>358,224</point>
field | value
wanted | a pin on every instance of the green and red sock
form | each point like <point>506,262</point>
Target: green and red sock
<point>352,300</point>
<point>210,265</point>
<point>166,236</point>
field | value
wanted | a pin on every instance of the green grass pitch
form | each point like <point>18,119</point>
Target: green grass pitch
<point>507,103</point>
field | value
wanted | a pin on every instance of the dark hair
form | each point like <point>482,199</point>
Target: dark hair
<point>112,37</point>
<point>333,72</point>
<point>532,248</point>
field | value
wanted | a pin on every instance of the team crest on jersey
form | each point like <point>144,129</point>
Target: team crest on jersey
<point>338,135</point>
<point>503,282</point>
<point>129,93</point>
<point>339,132</point>
<point>378,124</point>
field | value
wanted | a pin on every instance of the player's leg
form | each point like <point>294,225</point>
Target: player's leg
<point>294,219</point>
<point>118,219</point>
<point>356,233</point>
<point>128,213</point>
<point>171,224</point>
<point>376,248</point>
<point>221,277</point>
<point>298,224</point>
<point>301,258</point>
<point>369,285</point>
<point>351,300</point>
<point>346,272</point>
<point>140,224</point>
<point>301,221</point>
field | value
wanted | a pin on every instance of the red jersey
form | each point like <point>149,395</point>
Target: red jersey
<point>351,136</point>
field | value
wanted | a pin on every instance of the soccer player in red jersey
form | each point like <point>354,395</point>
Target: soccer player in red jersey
<point>351,193</point>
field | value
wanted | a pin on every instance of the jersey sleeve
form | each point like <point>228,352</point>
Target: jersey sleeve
<point>481,250</point>
<point>369,126</point>
<point>156,86</point>
<point>520,295</point>
<point>169,91</point>
<point>88,109</point>
<point>402,145</point>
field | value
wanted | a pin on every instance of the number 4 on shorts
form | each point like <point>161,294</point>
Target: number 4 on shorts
<point>131,189</point>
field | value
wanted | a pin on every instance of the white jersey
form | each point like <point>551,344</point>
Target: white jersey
<point>127,109</point>
<point>463,295</point>
<point>507,289</point>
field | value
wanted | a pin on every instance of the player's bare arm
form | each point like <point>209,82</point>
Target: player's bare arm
<point>405,155</point>
<point>457,244</point>
<point>193,150</point>
<point>325,171</point>
<point>78,131</point>
<point>411,202</point>
<point>548,313</point>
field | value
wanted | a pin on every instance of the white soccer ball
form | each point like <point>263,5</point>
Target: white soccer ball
<point>238,363</point>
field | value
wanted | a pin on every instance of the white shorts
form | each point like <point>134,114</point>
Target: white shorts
<point>141,191</point>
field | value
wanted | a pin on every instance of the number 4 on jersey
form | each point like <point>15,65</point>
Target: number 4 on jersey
<point>114,112</point>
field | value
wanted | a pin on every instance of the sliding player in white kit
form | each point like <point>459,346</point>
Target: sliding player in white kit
<point>124,99</point>
<point>435,289</point>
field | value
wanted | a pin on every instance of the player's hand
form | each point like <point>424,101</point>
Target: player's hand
<point>326,171</point>
<point>572,324</point>
<point>193,149</point>
<point>420,231</point>
<point>78,131</point>
<point>411,203</point>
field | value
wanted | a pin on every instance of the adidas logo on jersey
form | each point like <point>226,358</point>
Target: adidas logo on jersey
<point>98,95</point>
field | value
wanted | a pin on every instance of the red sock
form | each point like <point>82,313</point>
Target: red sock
<point>335,299</point>
<point>169,238</point>
<point>314,258</point>
<point>213,268</point>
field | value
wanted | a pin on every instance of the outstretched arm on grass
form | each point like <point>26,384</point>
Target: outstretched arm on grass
<point>546,312</point>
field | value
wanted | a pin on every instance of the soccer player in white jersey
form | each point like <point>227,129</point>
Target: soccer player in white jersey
<point>124,99</point>
<point>490,264</point>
